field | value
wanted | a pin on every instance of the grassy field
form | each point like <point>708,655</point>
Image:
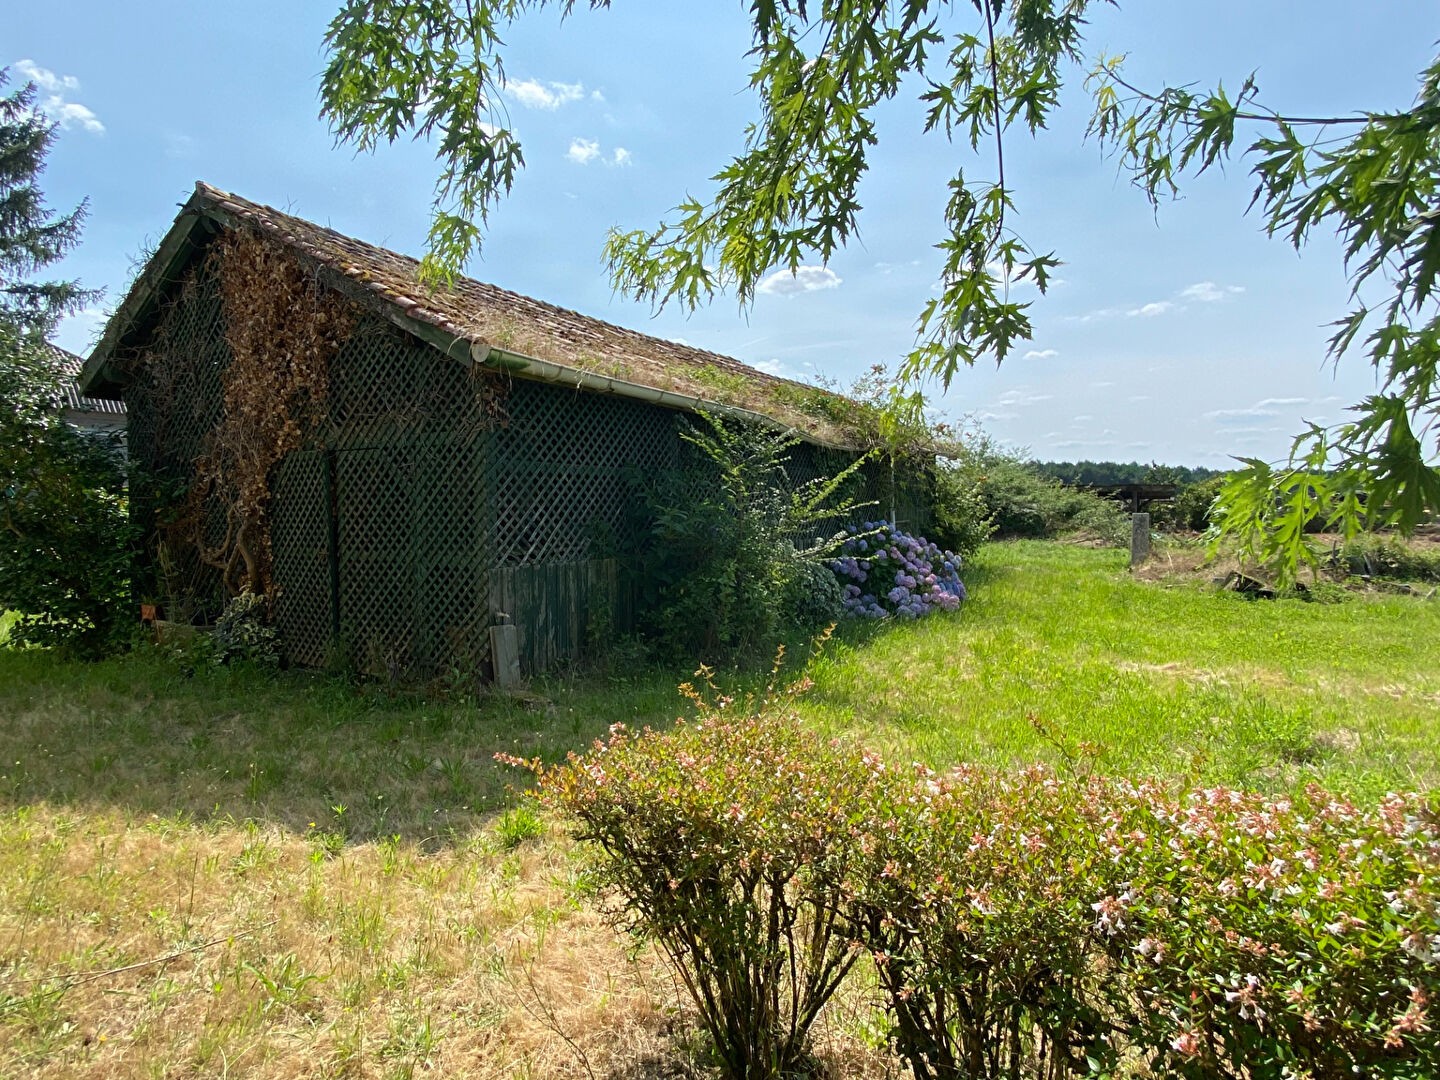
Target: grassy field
<point>225,873</point>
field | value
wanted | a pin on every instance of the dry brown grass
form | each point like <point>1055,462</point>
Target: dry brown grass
<point>236,876</point>
<point>148,947</point>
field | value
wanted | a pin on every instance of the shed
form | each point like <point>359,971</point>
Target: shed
<point>399,468</point>
<point>98,415</point>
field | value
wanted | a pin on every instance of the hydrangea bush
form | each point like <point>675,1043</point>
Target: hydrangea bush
<point>886,572</point>
<point>1020,922</point>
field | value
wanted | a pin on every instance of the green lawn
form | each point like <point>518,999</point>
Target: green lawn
<point>1163,678</point>
<point>228,872</point>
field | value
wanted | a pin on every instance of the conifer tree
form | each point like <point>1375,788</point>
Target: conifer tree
<point>63,524</point>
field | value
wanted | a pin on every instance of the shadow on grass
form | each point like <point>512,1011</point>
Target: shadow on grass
<point>302,750</point>
<point>139,736</point>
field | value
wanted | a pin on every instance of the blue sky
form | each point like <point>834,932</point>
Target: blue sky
<point>1183,337</point>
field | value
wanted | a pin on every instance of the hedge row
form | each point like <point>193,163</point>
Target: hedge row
<point>1021,923</point>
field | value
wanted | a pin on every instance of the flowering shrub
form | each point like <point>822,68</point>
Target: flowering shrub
<point>1272,937</point>
<point>884,571</point>
<point>1027,924</point>
<point>974,905</point>
<point>1022,923</point>
<point>728,844</point>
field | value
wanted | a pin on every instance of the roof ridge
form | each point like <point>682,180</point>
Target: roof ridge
<point>261,209</point>
<point>487,315</point>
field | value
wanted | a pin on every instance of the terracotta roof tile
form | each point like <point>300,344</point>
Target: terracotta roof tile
<point>482,313</point>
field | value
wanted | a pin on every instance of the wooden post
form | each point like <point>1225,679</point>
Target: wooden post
<point>1139,538</point>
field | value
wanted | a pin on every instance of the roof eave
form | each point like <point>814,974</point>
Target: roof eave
<point>530,367</point>
<point>99,377</point>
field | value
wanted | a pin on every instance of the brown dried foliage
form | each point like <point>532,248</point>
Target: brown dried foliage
<point>283,327</point>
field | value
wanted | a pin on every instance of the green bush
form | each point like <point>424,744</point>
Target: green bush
<point>990,491</point>
<point>1022,923</point>
<point>721,574</point>
<point>1190,509</point>
<point>963,520</point>
<point>1386,557</point>
<point>974,903</point>
<point>65,535</point>
<point>243,634</point>
<point>813,597</point>
<point>723,852</point>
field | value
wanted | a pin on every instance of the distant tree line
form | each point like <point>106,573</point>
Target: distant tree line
<point>1116,472</point>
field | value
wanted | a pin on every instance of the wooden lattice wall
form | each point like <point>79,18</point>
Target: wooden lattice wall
<point>430,499</point>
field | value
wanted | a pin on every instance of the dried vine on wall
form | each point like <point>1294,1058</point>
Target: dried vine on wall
<point>283,327</point>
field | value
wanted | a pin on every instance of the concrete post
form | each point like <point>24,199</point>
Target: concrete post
<point>1139,538</point>
<point>505,654</point>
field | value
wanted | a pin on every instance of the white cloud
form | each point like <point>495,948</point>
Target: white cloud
<point>1082,418</point>
<point>180,145</point>
<point>1254,430</point>
<point>1202,292</point>
<point>583,151</point>
<point>547,96</point>
<point>71,114</point>
<point>46,79</point>
<point>596,95</point>
<point>1094,316</point>
<point>1263,408</point>
<point>778,368</point>
<point>55,102</point>
<point>1138,397</point>
<point>1041,354</point>
<point>804,279</point>
<point>1022,396</point>
<point>890,268</point>
<point>987,417</point>
<point>1149,311</point>
<point>1207,292</point>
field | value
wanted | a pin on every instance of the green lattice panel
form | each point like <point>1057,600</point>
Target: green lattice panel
<point>300,541</point>
<point>448,492</point>
<point>567,470</point>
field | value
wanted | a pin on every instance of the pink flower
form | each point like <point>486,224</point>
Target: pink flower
<point>1187,1043</point>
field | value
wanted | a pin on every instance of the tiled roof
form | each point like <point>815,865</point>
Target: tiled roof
<point>71,364</point>
<point>488,315</point>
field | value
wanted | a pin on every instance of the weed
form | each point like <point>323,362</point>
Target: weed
<point>516,826</point>
<point>286,984</point>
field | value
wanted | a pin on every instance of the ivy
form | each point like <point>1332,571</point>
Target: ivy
<point>283,328</point>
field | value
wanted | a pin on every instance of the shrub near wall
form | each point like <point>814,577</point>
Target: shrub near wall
<point>1021,923</point>
<point>723,850</point>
